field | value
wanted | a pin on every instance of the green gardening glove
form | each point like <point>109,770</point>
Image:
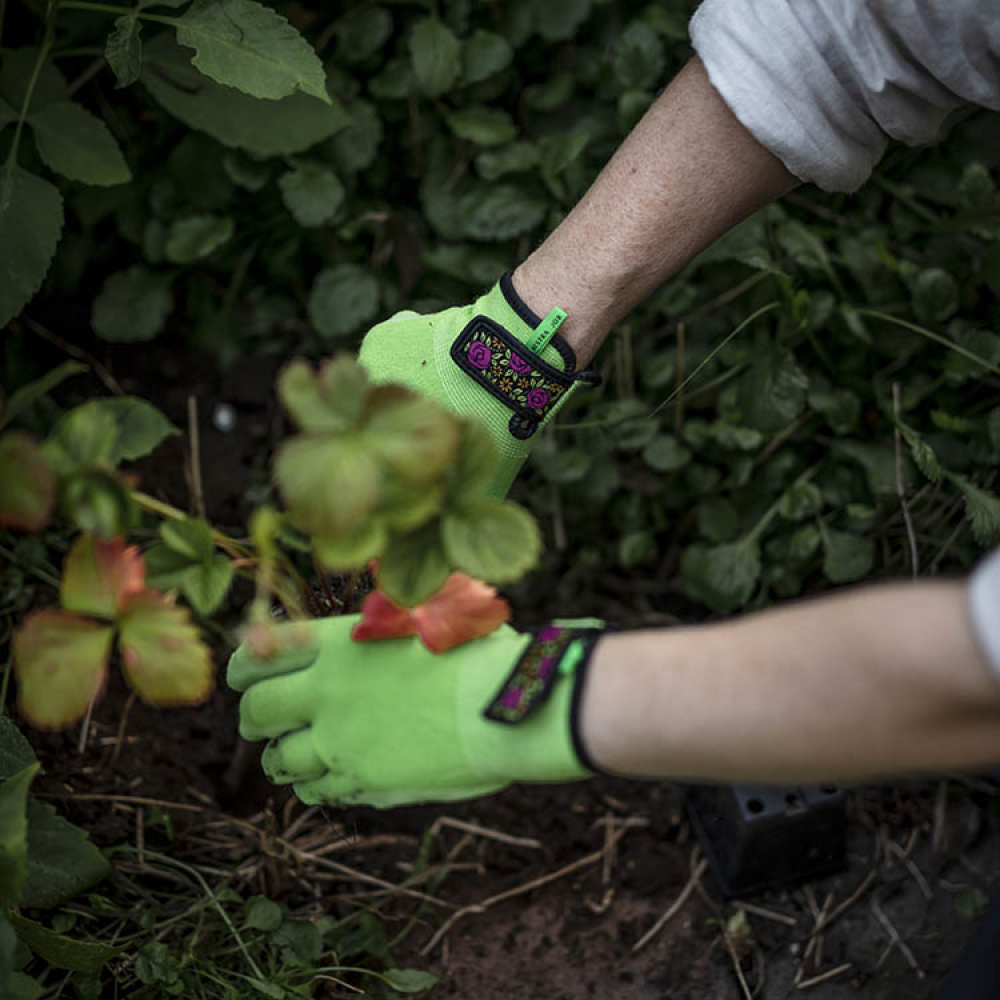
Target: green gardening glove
<point>494,359</point>
<point>386,722</point>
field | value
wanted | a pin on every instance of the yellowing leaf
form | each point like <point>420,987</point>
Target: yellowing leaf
<point>60,662</point>
<point>99,576</point>
<point>27,486</point>
<point>163,657</point>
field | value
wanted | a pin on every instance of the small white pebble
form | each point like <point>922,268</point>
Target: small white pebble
<point>224,417</point>
<point>794,948</point>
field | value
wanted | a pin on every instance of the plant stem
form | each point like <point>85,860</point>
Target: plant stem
<point>4,684</point>
<point>107,8</point>
<point>153,506</point>
<point>34,570</point>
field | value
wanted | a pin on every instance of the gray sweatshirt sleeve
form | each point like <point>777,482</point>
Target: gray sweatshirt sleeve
<point>984,608</point>
<point>824,84</point>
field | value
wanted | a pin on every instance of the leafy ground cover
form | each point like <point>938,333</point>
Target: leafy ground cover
<point>813,401</point>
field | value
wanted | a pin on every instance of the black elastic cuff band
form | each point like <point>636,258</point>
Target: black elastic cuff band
<point>580,675</point>
<point>530,317</point>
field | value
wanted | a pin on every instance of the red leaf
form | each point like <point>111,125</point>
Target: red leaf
<point>60,661</point>
<point>27,485</point>
<point>462,610</point>
<point>382,619</point>
<point>99,576</point>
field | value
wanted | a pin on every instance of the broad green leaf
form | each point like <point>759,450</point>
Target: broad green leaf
<point>404,506</point>
<point>112,430</point>
<point>557,20</point>
<point>62,862</point>
<point>261,914</point>
<point>330,485</point>
<point>395,81</point>
<point>638,58</point>
<point>982,510</point>
<point>245,172</point>
<point>879,462</point>
<point>204,582</point>
<point>722,576</point>
<point>414,567</point>
<point>311,192</point>
<point>553,92</point>
<point>33,391</point>
<point>665,454</point>
<point>355,147</point>
<point>923,454</point>
<point>773,391</point>
<point>163,656</point>
<point>846,557</point>
<point>60,662</point>
<point>475,461</point>
<point>363,34</point>
<point>15,751</point>
<point>27,486</point>
<point>483,54</point>
<point>518,157</point>
<point>733,437</point>
<point>8,946</point>
<point>78,145</point>
<point>31,218</point>
<point>191,537</point>
<point>491,540</point>
<point>840,407</point>
<point>935,295</point>
<point>565,466</point>
<point>342,300</point>
<point>636,547</point>
<point>14,833</point>
<point>22,987</point>
<point>156,965</point>
<point>16,70</point>
<point>718,519</point>
<point>243,44</point>
<point>557,153</point>
<point>99,576</point>
<point>123,50</point>
<point>84,437</point>
<point>264,128</point>
<point>354,550</point>
<point>61,951</point>
<point>482,125</point>
<point>409,980</point>
<point>436,56</point>
<point>192,238</point>
<point>328,401</point>
<point>133,305</point>
<point>799,501</point>
<point>414,436</point>
<point>98,501</point>
<point>500,212</point>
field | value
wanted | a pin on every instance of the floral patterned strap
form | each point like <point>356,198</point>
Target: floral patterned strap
<point>530,683</point>
<point>519,378</point>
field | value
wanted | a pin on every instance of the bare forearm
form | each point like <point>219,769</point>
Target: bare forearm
<point>873,682</point>
<point>688,172</point>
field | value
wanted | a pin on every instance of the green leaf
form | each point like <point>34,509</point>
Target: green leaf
<point>483,54</point>
<point>84,437</point>
<point>204,583</point>
<point>638,58</point>
<point>482,125</point>
<point>840,407</point>
<point>773,391</point>
<point>636,547</point>
<point>247,173</point>
<point>17,69</point>
<point>243,44</point>
<point>923,454</point>
<point>982,510</point>
<point>355,147</point>
<point>342,300</point>
<point>61,951</point>
<point>111,430</point>
<point>22,987</point>
<point>879,462</point>
<point>414,567</point>
<point>14,833</point>
<point>970,903</point>
<point>556,153</point>
<point>436,56</point>
<point>395,82</point>
<point>558,20</point>
<point>935,295</point>
<point>363,34</point>
<point>475,462</point>
<point>98,501</point>
<point>191,538</point>
<point>718,519</point>
<point>8,946</point>
<point>665,454</point>
<point>354,550</point>
<point>123,50</point>
<point>518,157</point>
<point>31,218</point>
<point>846,557</point>
<point>500,212</point>
<point>15,751</point>
<point>28,394</point>
<point>156,965</point>
<point>409,980</point>
<point>328,401</point>
<point>62,862</point>
<point>78,145</point>
<point>799,501</point>
<point>27,485</point>
<point>163,656</point>
<point>492,540</point>
<point>312,192</point>
<point>133,305</point>
<point>261,914</point>
<point>264,128</point>
<point>60,661</point>
<point>564,466</point>
<point>196,236</point>
<point>722,576</point>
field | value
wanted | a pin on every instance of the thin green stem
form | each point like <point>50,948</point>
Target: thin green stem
<point>107,8</point>
<point>42,575</point>
<point>931,335</point>
<point>158,507</point>
<point>4,684</point>
<point>769,515</point>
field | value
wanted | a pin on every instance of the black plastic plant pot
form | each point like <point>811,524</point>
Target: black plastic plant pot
<point>758,837</point>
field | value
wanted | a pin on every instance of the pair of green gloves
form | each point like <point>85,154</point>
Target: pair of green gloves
<point>387,722</point>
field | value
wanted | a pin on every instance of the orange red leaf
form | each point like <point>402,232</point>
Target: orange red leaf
<point>99,577</point>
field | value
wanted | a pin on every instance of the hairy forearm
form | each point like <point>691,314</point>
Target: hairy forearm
<point>687,173</point>
<point>878,681</point>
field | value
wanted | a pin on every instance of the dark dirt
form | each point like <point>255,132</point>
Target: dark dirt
<point>570,938</point>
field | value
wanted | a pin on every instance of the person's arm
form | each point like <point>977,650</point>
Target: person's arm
<point>876,681</point>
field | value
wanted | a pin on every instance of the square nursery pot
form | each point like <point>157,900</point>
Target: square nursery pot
<point>758,837</point>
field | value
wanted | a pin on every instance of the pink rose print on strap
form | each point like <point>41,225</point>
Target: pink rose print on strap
<point>537,398</point>
<point>479,354</point>
<point>519,364</point>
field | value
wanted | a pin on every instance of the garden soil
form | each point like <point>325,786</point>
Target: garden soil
<point>548,889</point>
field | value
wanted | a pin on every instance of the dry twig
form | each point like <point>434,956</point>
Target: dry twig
<point>674,908</point>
